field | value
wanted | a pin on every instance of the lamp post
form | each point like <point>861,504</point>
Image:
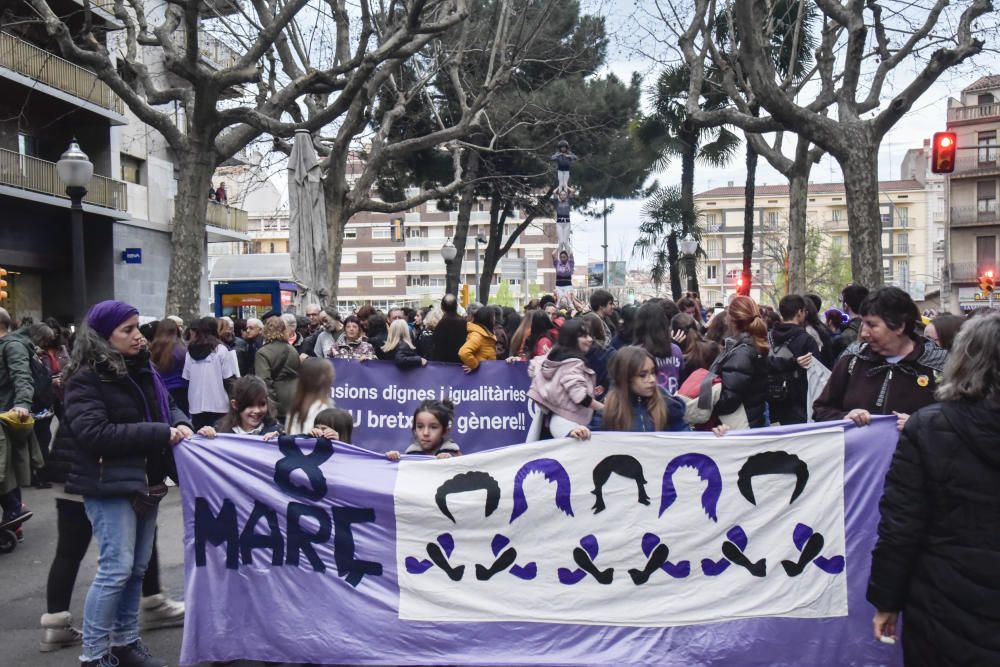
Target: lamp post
<point>688,247</point>
<point>448,254</point>
<point>75,170</point>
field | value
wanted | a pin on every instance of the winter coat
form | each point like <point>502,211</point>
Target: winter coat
<point>563,160</point>
<point>406,356</point>
<point>447,447</point>
<point>598,359</point>
<point>17,387</point>
<point>268,425</point>
<point>503,343</point>
<point>480,345</point>
<point>939,536</point>
<point>449,337</point>
<point>743,370</point>
<point>789,342</point>
<point>377,342</point>
<point>642,421</point>
<point>846,338</point>
<point>425,343</point>
<point>563,385</point>
<point>120,443</point>
<point>247,357</point>
<point>277,364</point>
<point>865,380</point>
<point>359,349</point>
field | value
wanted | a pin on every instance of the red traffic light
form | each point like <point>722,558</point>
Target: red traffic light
<point>943,152</point>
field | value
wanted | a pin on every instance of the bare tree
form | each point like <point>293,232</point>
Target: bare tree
<point>861,45</point>
<point>212,127</point>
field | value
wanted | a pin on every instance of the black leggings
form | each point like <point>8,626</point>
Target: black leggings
<point>74,539</point>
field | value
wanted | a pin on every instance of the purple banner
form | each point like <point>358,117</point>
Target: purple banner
<point>382,398</point>
<point>293,552</point>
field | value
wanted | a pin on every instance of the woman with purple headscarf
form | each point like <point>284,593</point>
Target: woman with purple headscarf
<point>122,422</point>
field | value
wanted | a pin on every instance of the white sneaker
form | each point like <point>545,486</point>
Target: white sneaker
<point>159,611</point>
<point>58,632</point>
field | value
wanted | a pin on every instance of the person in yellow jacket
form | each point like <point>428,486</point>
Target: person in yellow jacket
<point>481,344</point>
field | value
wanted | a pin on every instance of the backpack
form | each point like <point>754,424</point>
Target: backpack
<point>781,385</point>
<point>43,396</point>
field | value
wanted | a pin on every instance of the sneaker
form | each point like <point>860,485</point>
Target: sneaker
<point>58,632</point>
<point>107,660</point>
<point>136,655</point>
<point>159,611</point>
<point>19,533</point>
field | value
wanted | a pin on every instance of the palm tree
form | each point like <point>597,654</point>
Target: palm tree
<point>663,224</point>
<point>668,133</point>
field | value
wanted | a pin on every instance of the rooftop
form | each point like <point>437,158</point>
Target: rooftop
<point>814,189</point>
<point>988,82</point>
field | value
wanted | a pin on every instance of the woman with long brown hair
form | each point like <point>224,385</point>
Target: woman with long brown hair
<point>698,352</point>
<point>312,395</point>
<point>636,403</point>
<point>167,353</point>
<point>742,365</point>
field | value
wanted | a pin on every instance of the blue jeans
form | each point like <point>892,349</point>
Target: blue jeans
<point>125,542</point>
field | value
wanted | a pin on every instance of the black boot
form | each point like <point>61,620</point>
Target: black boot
<point>106,660</point>
<point>136,655</point>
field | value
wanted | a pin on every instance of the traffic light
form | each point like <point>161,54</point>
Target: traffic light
<point>987,283</point>
<point>3,284</point>
<point>464,296</point>
<point>742,286</point>
<point>943,152</point>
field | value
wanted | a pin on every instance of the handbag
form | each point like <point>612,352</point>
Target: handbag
<point>144,503</point>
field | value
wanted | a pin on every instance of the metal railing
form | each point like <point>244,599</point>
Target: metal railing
<point>982,161</point>
<point>227,217</point>
<point>968,216</point>
<point>975,112</point>
<point>966,271</point>
<point>37,63</point>
<point>898,249</point>
<point>30,173</point>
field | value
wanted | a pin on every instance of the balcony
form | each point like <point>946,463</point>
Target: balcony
<point>974,114</point>
<point>898,249</point>
<point>34,175</point>
<point>49,69</point>
<point>835,224</point>
<point>968,272</point>
<point>227,217</point>
<point>977,163</point>
<point>425,242</point>
<point>426,267</point>
<point>713,253</point>
<point>971,216</point>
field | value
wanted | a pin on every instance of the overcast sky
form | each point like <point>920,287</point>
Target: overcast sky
<point>926,117</point>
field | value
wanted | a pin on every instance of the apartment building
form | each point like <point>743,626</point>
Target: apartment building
<point>973,220</point>
<point>908,253</point>
<point>46,101</point>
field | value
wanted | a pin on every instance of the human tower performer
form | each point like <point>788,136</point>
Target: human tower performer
<point>562,259</point>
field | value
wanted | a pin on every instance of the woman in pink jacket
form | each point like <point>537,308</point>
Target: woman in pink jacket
<point>563,386</point>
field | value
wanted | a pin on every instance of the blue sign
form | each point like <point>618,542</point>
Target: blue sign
<point>132,255</point>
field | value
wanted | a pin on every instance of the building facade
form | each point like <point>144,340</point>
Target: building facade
<point>907,247</point>
<point>973,220</point>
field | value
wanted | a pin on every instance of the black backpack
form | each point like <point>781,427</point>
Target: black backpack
<point>781,385</point>
<point>43,396</point>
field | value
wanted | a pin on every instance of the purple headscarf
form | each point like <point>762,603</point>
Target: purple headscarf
<point>104,318</point>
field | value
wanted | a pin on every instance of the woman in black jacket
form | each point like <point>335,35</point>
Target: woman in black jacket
<point>121,421</point>
<point>399,347</point>
<point>742,365</point>
<point>938,549</point>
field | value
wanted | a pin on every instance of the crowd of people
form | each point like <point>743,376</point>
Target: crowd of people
<point>123,393</point>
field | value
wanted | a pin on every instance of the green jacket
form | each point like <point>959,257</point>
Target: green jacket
<point>277,364</point>
<point>16,385</point>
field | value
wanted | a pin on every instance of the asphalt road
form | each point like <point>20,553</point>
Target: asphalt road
<point>23,575</point>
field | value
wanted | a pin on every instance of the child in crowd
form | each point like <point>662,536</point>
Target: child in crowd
<point>312,395</point>
<point>333,424</point>
<point>635,402</point>
<point>431,425</point>
<point>248,414</point>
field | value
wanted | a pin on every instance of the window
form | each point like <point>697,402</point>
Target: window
<point>837,214</point>
<point>27,144</point>
<point>272,248</point>
<point>714,248</point>
<point>712,272</point>
<point>987,142</point>
<point>381,232</point>
<point>350,234</point>
<point>902,244</point>
<point>348,283</point>
<point>837,241</point>
<point>383,257</point>
<point>772,219</point>
<point>384,282</point>
<point>986,198</point>
<point>416,232</point>
<point>349,258</point>
<point>902,216</point>
<point>131,169</point>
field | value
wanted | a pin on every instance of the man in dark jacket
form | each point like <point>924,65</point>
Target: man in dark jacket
<point>792,351</point>
<point>450,333</point>
<point>852,296</point>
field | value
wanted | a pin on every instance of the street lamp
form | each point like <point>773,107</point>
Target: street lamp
<point>75,170</point>
<point>448,251</point>
<point>688,247</point>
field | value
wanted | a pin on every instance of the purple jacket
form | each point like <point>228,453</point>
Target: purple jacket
<point>564,270</point>
<point>668,370</point>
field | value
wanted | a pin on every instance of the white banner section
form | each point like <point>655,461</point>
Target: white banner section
<point>626,529</point>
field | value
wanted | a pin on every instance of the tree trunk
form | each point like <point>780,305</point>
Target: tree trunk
<point>494,239</point>
<point>453,272</point>
<point>337,214</point>
<point>688,219</point>
<point>673,256</point>
<point>188,236</point>
<point>798,198</point>
<point>860,167</point>
<point>749,194</point>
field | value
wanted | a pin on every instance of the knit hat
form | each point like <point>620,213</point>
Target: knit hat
<point>106,316</point>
